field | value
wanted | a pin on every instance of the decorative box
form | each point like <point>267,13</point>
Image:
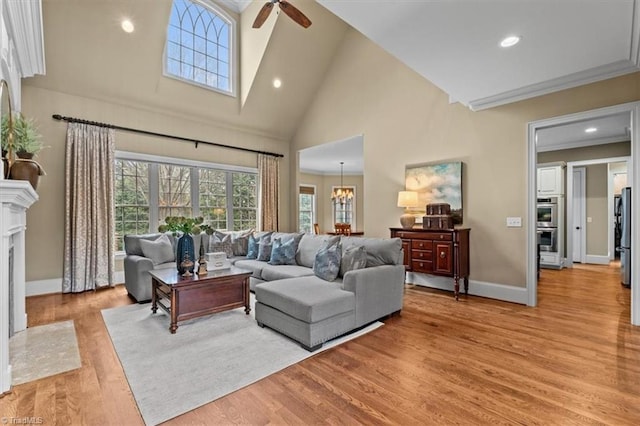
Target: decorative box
<point>217,260</point>
<point>438,216</point>
<point>438,209</point>
<point>441,221</point>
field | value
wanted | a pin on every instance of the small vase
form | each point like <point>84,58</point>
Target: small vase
<point>184,250</point>
<point>26,170</point>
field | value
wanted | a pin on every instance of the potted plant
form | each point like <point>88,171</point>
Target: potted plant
<point>185,251</point>
<point>27,142</point>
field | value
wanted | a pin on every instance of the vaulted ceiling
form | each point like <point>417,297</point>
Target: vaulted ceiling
<point>456,44</point>
<point>88,55</point>
<point>453,44</point>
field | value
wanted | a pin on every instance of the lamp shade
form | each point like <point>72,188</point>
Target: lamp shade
<point>407,199</point>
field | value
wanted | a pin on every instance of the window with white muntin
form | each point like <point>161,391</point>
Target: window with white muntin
<point>200,45</point>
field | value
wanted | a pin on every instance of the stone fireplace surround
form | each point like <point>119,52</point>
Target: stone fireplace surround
<point>16,196</point>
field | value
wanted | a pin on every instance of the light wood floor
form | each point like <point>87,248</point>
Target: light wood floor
<point>573,360</point>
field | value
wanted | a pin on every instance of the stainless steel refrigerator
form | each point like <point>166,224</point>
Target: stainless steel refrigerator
<point>625,237</point>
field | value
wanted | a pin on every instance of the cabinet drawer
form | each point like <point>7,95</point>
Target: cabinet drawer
<point>422,266</point>
<point>421,255</point>
<point>549,258</point>
<point>421,244</point>
<point>437,236</point>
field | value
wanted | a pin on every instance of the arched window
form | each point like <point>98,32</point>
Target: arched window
<point>199,46</point>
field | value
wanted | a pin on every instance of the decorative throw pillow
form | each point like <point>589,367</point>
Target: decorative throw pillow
<point>223,244</point>
<point>252,247</point>
<point>283,253</point>
<point>239,241</point>
<point>354,257</point>
<point>264,248</point>
<point>327,261</point>
<point>159,250</point>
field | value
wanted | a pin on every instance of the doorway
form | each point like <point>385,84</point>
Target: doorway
<point>632,113</point>
<point>579,213</point>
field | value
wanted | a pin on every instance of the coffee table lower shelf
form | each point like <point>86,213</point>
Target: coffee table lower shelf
<point>184,298</point>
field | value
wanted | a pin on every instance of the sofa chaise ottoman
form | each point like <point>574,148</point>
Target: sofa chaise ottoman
<point>312,310</point>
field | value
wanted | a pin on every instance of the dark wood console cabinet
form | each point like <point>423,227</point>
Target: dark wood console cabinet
<point>442,252</point>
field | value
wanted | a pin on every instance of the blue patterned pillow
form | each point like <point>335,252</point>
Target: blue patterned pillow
<point>252,247</point>
<point>354,257</point>
<point>264,248</point>
<point>327,261</point>
<point>283,253</point>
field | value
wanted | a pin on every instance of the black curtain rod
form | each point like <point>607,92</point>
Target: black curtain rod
<point>162,135</point>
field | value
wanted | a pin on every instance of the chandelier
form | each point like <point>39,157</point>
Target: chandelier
<point>342,194</point>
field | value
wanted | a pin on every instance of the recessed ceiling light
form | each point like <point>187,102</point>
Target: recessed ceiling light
<point>510,41</point>
<point>277,83</point>
<point>127,26</point>
<point>591,129</point>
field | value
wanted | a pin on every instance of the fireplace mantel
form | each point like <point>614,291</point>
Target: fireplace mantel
<point>16,196</point>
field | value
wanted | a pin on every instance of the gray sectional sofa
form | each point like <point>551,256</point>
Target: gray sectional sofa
<point>294,299</point>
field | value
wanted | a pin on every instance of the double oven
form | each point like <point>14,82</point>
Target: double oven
<point>547,224</point>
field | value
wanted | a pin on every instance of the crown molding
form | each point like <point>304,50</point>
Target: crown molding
<point>604,72</point>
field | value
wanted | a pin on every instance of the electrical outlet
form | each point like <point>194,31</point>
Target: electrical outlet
<point>514,222</point>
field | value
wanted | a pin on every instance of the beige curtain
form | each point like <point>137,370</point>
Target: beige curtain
<point>269,175</point>
<point>89,210</point>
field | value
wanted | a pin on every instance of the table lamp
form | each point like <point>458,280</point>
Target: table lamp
<point>407,199</point>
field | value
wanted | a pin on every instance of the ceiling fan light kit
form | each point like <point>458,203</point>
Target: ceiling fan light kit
<point>290,10</point>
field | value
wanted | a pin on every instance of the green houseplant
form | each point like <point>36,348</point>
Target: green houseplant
<point>27,142</point>
<point>185,225</point>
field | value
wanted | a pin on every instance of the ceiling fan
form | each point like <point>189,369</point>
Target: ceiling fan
<point>291,11</point>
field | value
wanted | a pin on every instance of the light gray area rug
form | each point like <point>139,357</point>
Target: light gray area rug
<point>43,351</point>
<point>209,357</point>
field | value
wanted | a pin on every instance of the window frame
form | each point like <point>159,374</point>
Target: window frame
<point>314,205</point>
<point>233,50</point>
<point>155,160</point>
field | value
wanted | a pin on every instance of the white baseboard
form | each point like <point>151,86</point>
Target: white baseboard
<point>503,292</point>
<point>36,288</point>
<point>54,285</point>
<point>598,260</point>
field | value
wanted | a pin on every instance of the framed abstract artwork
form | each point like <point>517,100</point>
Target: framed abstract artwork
<point>436,183</point>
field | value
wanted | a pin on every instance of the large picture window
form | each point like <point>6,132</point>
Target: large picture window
<point>199,45</point>
<point>150,188</point>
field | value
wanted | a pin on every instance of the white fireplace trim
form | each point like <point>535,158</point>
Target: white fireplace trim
<point>15,197</point>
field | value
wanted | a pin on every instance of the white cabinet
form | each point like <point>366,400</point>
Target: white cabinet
<point>551,179</point>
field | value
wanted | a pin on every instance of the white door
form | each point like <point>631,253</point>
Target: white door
<point>579,212</point>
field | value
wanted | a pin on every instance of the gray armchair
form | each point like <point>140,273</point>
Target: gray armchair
<point>136,266</point>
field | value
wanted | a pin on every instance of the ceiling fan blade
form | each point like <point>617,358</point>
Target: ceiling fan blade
<point>294,13</point>
<point>263,15</point>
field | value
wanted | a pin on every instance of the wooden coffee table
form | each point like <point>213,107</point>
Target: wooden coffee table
<point>184,298</point>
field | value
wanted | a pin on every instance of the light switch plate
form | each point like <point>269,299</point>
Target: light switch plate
<point>514,222</point>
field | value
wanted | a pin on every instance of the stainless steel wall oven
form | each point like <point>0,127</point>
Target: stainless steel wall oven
<point>547,209</point>
<point>548,239</point>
